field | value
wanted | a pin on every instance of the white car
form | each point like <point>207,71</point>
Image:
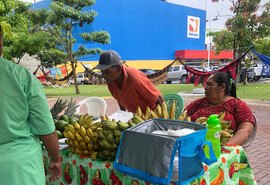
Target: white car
<point>81,79</point>
<point>177,73</point>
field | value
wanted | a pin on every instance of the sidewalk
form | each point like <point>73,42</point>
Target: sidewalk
<point>258,152</point>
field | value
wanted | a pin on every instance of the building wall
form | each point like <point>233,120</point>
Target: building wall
<point>147,31</point>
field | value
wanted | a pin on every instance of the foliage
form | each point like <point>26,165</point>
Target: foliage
<point>62,17</point>
<point>263,46</point>
<point>19,38</point>
<point>244,28</point>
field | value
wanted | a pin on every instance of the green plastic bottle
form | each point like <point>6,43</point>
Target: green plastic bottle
<point>213,135</point>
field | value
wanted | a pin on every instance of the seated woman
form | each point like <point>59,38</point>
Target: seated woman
<point>220,95</point>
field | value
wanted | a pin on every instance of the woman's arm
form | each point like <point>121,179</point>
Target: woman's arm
<point>242,134</point>
<point>50,142</point>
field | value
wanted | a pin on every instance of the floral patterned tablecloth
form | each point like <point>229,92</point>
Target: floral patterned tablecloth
<point>232,168</point>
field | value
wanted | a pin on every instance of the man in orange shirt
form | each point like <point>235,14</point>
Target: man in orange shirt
<point>130,87</point>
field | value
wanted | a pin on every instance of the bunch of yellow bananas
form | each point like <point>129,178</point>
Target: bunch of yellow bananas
<point>82,137</point>
<point>161,111</point>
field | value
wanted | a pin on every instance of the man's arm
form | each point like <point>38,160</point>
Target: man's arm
<point>50,142</point>
<point>160,100</point>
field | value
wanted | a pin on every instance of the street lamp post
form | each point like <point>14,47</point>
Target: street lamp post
<point>210,42</point>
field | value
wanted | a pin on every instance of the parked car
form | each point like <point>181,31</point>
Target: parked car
<point>81,79</point>
<point>177,73</point>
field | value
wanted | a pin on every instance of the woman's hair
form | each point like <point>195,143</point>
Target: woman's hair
<point>225,78</point>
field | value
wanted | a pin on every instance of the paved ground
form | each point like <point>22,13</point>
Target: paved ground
<point>258,152</point>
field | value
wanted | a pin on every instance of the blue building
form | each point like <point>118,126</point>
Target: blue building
<point>146,33</point>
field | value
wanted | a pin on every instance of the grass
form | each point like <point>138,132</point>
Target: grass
<point>256,91</point>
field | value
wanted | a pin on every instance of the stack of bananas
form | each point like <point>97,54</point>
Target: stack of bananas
<point>225,133</point>
<point>109,135</point>
<point>82,137</point>
<point>161,111</point>
<point>99,139</point>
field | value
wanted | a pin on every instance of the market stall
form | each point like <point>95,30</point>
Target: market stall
<point>89,149</point>
<point>231,168</point>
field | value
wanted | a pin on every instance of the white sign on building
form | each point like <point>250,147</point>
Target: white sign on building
<point>193,27</point>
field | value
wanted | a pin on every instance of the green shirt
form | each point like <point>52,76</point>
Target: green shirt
<point>24,114</point>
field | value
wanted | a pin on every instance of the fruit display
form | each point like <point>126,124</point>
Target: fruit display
<point>95,139</point>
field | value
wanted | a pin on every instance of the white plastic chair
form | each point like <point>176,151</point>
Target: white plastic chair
<point>96,106</point>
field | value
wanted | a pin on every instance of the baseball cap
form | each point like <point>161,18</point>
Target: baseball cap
<point>107,59</point>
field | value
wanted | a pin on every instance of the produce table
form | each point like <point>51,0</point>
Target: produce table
<point>231,168</point>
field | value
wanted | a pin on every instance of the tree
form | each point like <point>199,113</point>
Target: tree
<point>19,37</point>
<point>63,16</point>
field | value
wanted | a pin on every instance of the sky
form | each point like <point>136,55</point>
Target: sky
<point>219,9</point>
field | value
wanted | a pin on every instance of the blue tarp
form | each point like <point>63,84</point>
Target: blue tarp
<point>265,59</point>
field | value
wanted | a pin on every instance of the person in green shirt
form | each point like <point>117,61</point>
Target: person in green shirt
<point>25,120</point>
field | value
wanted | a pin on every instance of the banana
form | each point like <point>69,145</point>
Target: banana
<point>153,114</point>
<point>106,144</point>
<point>85,117</point>
<point>225,124</point>
<point>83,145</point>
<point>89,133</point>
<point>164,110</point>
<point>117,139</point>
<point>201,120</point>
<point>82,131</point>
<point>188,119</point>
<point>80,121</point>
<point>183,115</point>
<point>172,110</point>
<point>112,125</point>
<point>122,125</point>
<point>85,152</point>
<point>110,137</point>
<point>89,120</point>
<point>90,146</point>
<point>76,144</point>
<point>86,139</point>
<point>101,135</point>
<point>93,155</point>
<point>76,126</point>
<point>78,151</point>
<point>70,128</point>
<point>78,136</point>
<point>70,135</point>
<point>147,113</point>
<point>221,115</point>
<point>65,134</point>
<point>225,134</point>
<point>131,124</point>
<point>136,119</point>
<point>117,133</point>
<point>139,111</point>
<point>158,110</point>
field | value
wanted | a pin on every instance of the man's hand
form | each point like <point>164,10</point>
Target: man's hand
<point>55,171</point>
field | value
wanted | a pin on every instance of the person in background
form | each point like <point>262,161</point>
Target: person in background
<point>220,95</point>
<point>25,120</point>
<point>130,87</point>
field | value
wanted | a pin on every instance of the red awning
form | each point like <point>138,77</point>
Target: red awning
<point>202,54</point>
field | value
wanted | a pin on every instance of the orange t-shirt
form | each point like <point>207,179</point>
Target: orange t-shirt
<point>137,90</point>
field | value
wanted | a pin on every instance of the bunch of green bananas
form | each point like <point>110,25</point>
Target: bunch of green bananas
<point>109,136</point>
